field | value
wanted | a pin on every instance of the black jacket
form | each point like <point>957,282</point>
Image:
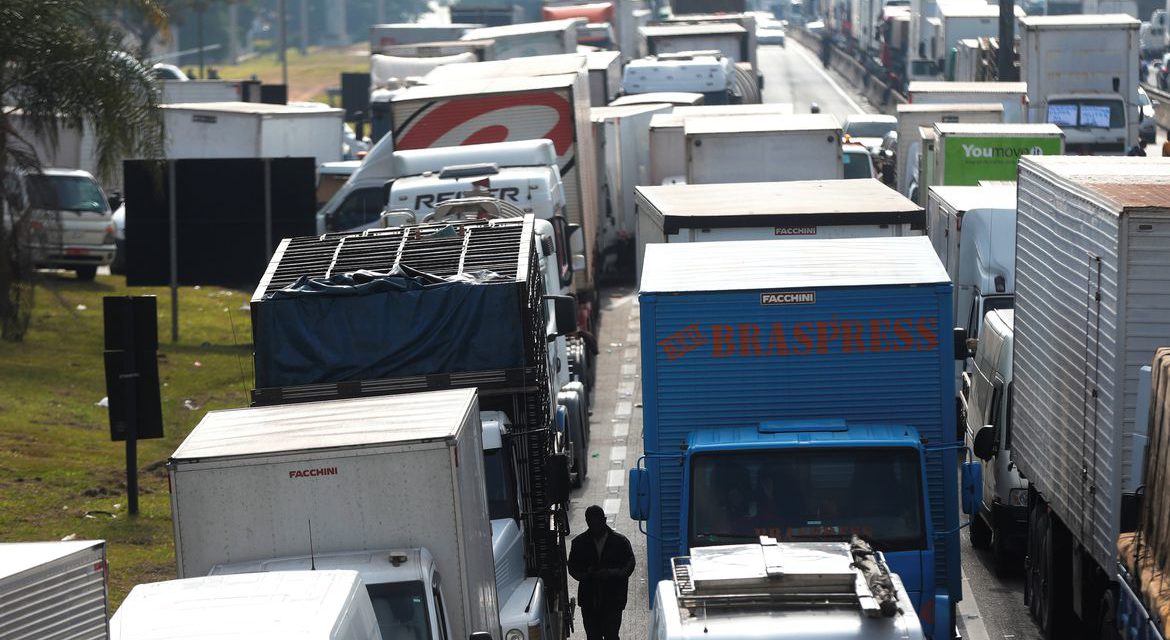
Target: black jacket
<point>608,590</point>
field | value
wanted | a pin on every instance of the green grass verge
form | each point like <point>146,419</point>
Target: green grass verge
<point>60,474</point>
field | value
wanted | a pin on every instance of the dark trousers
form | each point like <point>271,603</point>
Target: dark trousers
<point>601,624</point>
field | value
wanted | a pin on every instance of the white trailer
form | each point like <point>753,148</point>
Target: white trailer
<point>1092,304</point>
<point>605,76</point>
<point>963,19</point>
<point>251,130</point>
<point>1012,95</point>
<point>1082,75</point>
<point>728,39</point>
<point>53,590</point>
<point>762,210</point>
<point>547,38</point>
<point>762,148</point>
<point>381,474</point>
<point>915,115</point>
<point>313,605</point>
<point>667,153</point>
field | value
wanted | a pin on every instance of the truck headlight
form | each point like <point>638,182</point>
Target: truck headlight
<point>514,634</point>
<point>1018,497</point>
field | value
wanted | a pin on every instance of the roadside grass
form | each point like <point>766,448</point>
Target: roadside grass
<point>308,75</point>
<point>60,475</point>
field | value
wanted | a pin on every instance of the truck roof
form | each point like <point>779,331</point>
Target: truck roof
<point>939,86</point>
<point>287,604</point>
<point>942,107</point>
<point>659,97</point>
<point>761,123</point>
<point>529,66</point>
<point>1126,183</point>
<point>680,114</point>
<point>598,114</point>
<point>981,197</point>
<point>709,28</point>
<point>600,60</point>
<point>784,263</point>
<point>253,108</point>
<point>967,9</point>
<point>519,153</point>
<point>18,557</point>
<point>1073,22</point>
<point>427,416</point>
<point>522,28</point>
<point>998,129</point>
<point>753,204</point>
<point>479,86</point>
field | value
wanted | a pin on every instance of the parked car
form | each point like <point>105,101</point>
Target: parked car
<point>1147,129</point>
<point>770,32</point>
<point>71,225</point>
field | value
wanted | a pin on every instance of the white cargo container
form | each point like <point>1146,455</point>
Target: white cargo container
<point>1082,76</point>
<point>966,19</point>
<point>370,474</point>
<point>483,110</point>
<point>389,35</point>
<point>913,116</point>
<point>966,152</point>
<point>673,98</point>
<point>729,39</point>
<point>622,136</point>
<point>1012,95</point>
<point>1092,304</point>
<point>667,153</point>
<point>605,76</point>
<point>180,91</point>
<point>251,130</point>
<point>313,605</point>
<point>762,210</point>
<point>547,38</point>
<point>762,148</point>
<point>53,590</point>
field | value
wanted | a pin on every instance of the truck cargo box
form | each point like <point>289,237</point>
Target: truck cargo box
<point>605,76</point>
<point>912,116</point>
<point>729,39</point>
<point>762,148</point>
<point>530,38</point>
<point>667,153</point>
<point>528,67</point>
<point>53,590</point>
<point>251,130</point>
<point>348,469</point>
<point>966,153</point>
<point>1012,95</point>
<point>762,210</point>
<point>1092,304</point>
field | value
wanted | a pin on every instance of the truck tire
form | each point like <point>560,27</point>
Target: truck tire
<point>86,273</point>
<point>979,532</point>
<point>570,397</point>
<point>1047,583</point>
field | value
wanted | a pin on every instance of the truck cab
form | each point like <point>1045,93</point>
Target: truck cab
<point>999,515</point>
<point>807,481</point>
<point>357,204</point>
<point>762,591</point>
<point>1093,123</point>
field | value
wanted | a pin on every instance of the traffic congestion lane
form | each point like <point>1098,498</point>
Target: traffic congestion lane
<point>792,74</point>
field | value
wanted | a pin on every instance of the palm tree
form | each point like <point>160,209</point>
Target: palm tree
<point>61,66</point>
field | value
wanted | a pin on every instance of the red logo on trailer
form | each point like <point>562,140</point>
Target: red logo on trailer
<point>478,120</point>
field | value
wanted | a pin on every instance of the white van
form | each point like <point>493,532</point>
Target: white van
<point>1000,521</point>
<point>72,224</point>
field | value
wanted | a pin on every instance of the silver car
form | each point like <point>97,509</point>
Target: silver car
<point>71,224</point>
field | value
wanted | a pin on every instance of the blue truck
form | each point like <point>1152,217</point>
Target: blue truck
<point>803,390</point>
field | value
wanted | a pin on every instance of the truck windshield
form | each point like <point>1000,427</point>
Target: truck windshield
<point>499,481</point>
<point>401,609</point>
<point>66,193</point>
<point>1087,114</point>
<point>801,495</point>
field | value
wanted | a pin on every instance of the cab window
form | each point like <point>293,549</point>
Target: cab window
<point>360,208</point>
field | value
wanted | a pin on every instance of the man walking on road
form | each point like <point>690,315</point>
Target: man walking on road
<point>601,560</point>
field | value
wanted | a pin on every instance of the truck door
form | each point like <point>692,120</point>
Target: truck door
<point>1089,422</point>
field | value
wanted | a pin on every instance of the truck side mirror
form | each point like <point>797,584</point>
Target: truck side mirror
<point>972,488</point>
<point>557,466</point>
<point>984,444</point>
<point>963,349</point>
<point>639,494</point>
<point>565,310</point>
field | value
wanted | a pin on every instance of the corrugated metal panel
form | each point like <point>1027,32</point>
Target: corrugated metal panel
<point>64,598</point>
<point>694,381</point>
<point>1091,306</point>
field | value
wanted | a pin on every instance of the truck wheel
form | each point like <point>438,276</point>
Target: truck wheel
<point>1048,583</point>
<point>86,273</point>
<point>1002,555</point>
<point>979,532</point>
<point>1107,616</point>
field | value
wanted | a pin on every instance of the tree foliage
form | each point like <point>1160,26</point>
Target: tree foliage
<point>61,66</point>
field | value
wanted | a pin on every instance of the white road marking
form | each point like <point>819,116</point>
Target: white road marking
<point>632,338</point>
<point>626,389</point>
<point>630,353</point>
<point>629,369</point>
<point>617,454</point>
<point>611,506</point>
<point>616,478</point>
<point>623,409</point>
<point>817,66</point>
<point>621,430</point>
<point>969,612</point>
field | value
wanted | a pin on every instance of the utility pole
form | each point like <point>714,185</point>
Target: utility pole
<point>283,45</point>
<point>1005,58</point>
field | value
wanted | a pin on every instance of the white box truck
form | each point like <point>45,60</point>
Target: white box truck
<point>393,480</point>
<point>53,590</point>
<point>1012,95</point>
<point>1082,75</point>
<point>605,76</point>
<point>548,38</point>
<point>966,153</point>
<point>622,137</point>
<point>314,605</point>
<point>251,130</point>
<point>963,19</point>
<point>763,210</point>
<point>180,91</point>
<point>667,155</point>
<point>762,148</point>
<point>1092,304</point>
<point>913,116</point>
